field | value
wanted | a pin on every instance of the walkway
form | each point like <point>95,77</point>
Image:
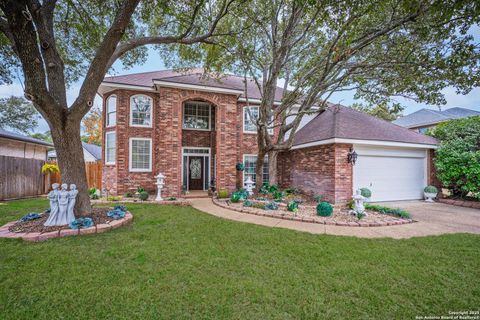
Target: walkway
<point>434,219</point>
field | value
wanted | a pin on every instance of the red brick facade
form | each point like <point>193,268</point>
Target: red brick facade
<point>320,170</point>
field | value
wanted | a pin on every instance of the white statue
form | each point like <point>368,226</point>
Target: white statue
<point>249,185</point>
<point>53,197</point>
<point>72,195</point>
<point>358,208</point>
<point>160,183</point>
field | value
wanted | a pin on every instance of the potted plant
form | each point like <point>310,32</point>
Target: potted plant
<point>430,192</point>
<point>48,169</point>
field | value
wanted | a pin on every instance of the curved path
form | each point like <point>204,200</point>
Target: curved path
<point>434,219</point>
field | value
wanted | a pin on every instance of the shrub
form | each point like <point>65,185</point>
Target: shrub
<point>264,189</point>
<point>386,210</point>
<point>324,209</point>
<point>350,204</point>
<point>278,196</point>
<point>365,192</point>
<point>243,194</point>
<point>222,194</point>
<point>457,159</point>
<point>92,191</point>
<point>143,195</point>
<point>273,188</point>
<point>113,198</point>
<point>128,194</point>
<point>116,214</point>
<point>430,189</point>
<point>291,190</point>
<point>318,198</point>
<point>81,223</point>
<point>50,168</point>
<point>271,206</point>
<point>247,203</point>
<point>140,190</point>
<point>120,207</point>
<point>171,199</point>
<point>259,205</point>
<point>30,216</point>
<point>292,206</point>
<point>235,198</point>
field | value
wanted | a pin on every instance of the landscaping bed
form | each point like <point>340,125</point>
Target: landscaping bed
<point>341,216</point>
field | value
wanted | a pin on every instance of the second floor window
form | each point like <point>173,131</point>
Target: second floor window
<point>196,115</point>
<point>250,120</point>
<point>141,111</point>
<point>111,111</point>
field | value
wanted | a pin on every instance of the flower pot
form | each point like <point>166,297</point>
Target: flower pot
<point>429,196</point>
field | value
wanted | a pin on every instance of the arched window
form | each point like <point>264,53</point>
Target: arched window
<point>140,111</point>
<point>111,111</point>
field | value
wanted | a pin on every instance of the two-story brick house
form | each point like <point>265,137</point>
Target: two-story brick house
<point>195,130</point>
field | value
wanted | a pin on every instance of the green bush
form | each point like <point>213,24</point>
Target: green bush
<point>222,194</point>
<point>140,190</point>
<point>291,190</point>
<point>386,210</point>
<point>114,198</point>
<point>265,189</point>
<point>243,194</point>
<point>271,206</point>
<point>128,194</point>
<point>171,199</point>
<point>457,159</point>
<point>365,192</point>
<point>430,189</point>
<point>324,209</point>
<point>278,196</point>
<point>292,206</point>
<point>143,195</point>
<point>92,191</point>
<point>247,203</point>
<point>236,197</point>
<point>258,205</point>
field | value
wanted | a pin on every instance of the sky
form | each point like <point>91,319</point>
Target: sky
<point>154,62</point>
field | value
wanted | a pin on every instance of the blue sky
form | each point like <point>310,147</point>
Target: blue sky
<point>154,62</point>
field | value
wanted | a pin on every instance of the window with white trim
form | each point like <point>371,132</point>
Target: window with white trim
<point>110,147</point>
<point>141,111</point>
<point>196,115</point>
<point>140,154</point>
<point>250,120</point>
<point>111,111</point>
<point>250,161</point>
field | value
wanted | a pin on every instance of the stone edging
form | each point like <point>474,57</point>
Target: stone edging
<point>461,203</point>
<point>37,236</point>
<point>182,202</point>
<point>312,220</point>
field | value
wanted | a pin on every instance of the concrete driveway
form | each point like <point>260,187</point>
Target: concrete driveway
<point>433,219</point>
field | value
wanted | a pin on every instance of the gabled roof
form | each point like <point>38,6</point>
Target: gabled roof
<point>15,136</point>
<point>429,116</point>
<point>93,149</point>
<point>346,123</point>
<point>194,77</point>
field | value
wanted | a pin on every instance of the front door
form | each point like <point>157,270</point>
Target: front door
<point>195,169</point>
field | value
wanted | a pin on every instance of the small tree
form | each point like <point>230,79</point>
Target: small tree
<point>457,159</point>
<point>92,124</point>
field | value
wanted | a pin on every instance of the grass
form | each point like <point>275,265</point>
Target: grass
<point>386,210</point>
<point>179,263</point>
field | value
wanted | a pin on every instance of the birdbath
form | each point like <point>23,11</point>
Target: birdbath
<point>358,208</point>
<point>160,183</point>
<point>249,186</point>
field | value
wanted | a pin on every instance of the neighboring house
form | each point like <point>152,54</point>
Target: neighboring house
<point>20,146</point>
<point>424,119</point>
<point>195,130</point>
<point>91,153</point>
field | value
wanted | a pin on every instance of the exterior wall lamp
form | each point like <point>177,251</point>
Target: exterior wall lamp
<point>352,157</point>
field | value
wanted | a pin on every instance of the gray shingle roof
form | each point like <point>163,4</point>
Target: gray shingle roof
<point>20,137</point>
<point>342,122</point>
<point>95,151</point>
<point>428,116</point>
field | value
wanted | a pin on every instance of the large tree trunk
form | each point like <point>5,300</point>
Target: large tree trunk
<point>259,170</point>
<point>66,138</point>
<point>272,167</point>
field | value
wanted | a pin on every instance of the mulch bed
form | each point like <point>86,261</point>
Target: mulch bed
<point>99,216</point>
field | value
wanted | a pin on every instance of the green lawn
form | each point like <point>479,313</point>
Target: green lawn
<point>176,262</point>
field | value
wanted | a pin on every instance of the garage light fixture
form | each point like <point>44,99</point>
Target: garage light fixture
<point>352,157</point>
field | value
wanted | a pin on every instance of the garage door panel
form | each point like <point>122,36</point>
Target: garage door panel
<point>389,177</point>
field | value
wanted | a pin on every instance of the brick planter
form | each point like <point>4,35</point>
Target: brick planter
<point>37,236</point>
<point>461,203</point>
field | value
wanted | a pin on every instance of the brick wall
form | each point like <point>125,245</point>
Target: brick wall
<point>320,170</point>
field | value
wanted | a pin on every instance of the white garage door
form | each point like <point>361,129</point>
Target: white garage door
<point>391,173</point>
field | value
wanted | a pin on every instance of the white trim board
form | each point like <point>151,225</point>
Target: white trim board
<point>365,142</point>
<point>168,84</point>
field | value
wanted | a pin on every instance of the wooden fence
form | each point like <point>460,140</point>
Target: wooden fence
<point>20,178</point>
<point>94,175</point>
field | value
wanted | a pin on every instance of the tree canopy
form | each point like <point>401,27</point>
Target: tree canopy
<point>18,114</point>
<point>382,111</point>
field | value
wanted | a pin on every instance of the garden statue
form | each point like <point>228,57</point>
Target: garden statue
<point>160,183</point>
<point>62,203</point>
<point>249,186</point>
<point>358,199</point>
<point>72,195</point>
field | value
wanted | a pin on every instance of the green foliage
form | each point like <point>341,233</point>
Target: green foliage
<point>291,190</point>
<point>114,198</point>
<point>386,210</point>
<point>50,168</point>
<point>94,196</point>
<point>243,194</point>
<point>240,166</point>
<point>271,206</point>
<point>382,110</point>
<point>265,189</point>
<point>457,159</point>
<point>247,203</point>
<point>81,223</point>
<point>120,207</point>
<point>259,205</point>
<point>277,196</point>
<point>46,136</point>
<point>292,206</point>
<point>318,198</point>
<point>18,114</point>
<point>171,199</point>
<point>140,189</point>
<point>92,191</point>
<point>222,194</point>
<point>324,209</point>
<point>350,204</point>
<point>236,197</point>
<point>430,189</point>
<point>143,196</point>
<point>128,194</point>
<point>365,192</point>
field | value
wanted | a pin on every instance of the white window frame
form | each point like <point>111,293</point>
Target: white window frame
<point>243,172</point>
<point>107,146</point>
<point>130,155</point>
<point>209,115</point>
<point>151,111</point>
<point>270,130</point>
<point>107,124</point>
